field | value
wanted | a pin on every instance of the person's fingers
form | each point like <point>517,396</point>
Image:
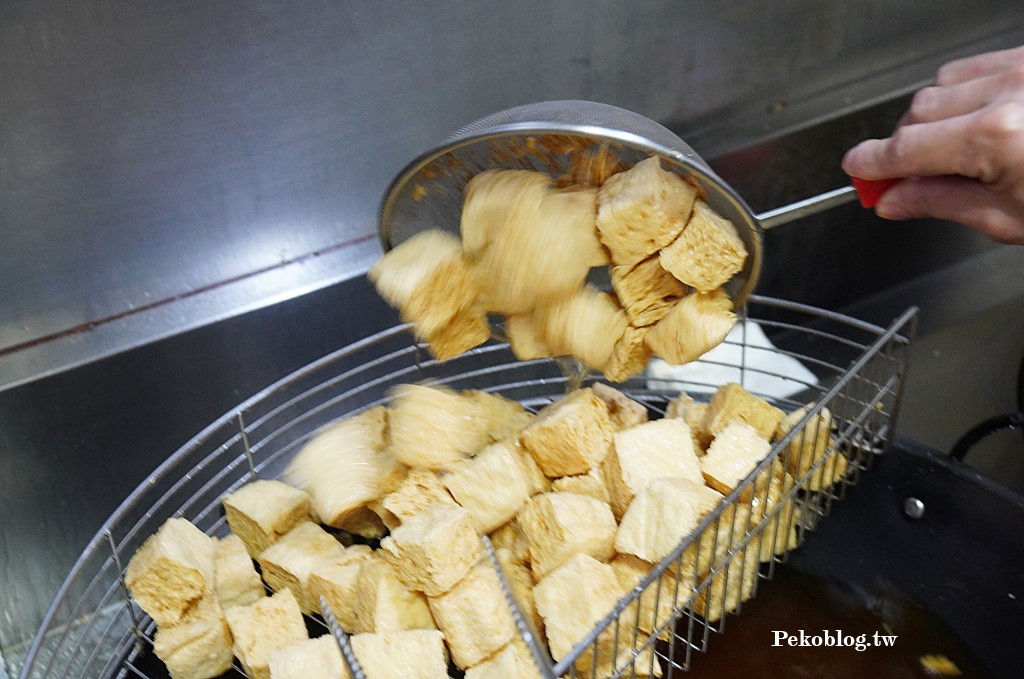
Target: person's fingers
<point>955,199</point>
<point>979,66</point>
<point>928,149</point>
<point>937,103</point>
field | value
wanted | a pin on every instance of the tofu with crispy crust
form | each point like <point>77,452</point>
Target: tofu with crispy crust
<point>434,549</point>
<point>571,435</point>
<point>559,525</point>
<point>707,253</point>
<point>695,325</point>
<point>262,511</point>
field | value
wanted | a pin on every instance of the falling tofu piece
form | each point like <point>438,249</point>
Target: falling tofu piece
<point>592,484</point>
<point>630,355</point>
<point>534,247</point>
<point>262,511</point>
<point>410,654</point>
<point>335,581</point>
<point>172,570</point>
<point>659,449</point>
<point>571,600</point>
<point>464,331</point>
<point>525,334</point>
<point>434,549</point>
<point>586,325</point>
<point>642,210</point>
<point>514,660</point>
<point>263,627</point>
<point>661,515</point>
<point>344,466</point>
<point>732,456</point>
<point>646,291</point>
<point>575,208</point>
<point>384,604</point>
<point>809,446</point>
<point>420,489</point>
<point>696,324</point>
<point>235,581</point>
<point>492,485</point>
<point>560,525</point>
<point>434,427</point>
<point>428,279</point>
<point>732,403</point>
<point>318,658</point>
<point>707,253</point>
<point>571,435</point>
<point>287,563</point>
<point>199,645</point>
<point>624,411</point>
<point>474,616</point>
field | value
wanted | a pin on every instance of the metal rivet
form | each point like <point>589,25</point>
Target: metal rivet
<point>913,508</point>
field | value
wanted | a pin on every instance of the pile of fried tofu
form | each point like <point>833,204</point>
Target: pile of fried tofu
<point>526,250</point>
<point>581,500</point>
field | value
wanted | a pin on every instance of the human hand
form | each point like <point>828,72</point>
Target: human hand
<point>960,148</point>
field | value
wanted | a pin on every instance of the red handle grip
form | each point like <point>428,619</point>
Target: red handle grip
<point>870,190</point>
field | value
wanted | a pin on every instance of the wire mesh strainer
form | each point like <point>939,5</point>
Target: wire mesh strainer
<point>575,142</point>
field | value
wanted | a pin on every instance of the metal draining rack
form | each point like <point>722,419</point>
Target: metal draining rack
<point>93,629</point>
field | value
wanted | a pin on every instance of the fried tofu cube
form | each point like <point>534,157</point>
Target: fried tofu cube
<point>695,325</point>
<point>512,539</point>
<point>343,467</point>
<point>537,244</point>
<point>492,486</point>
<point>636,658</point>
<point>520,582</point>
<point>474,617</point>
<point>586,325</point>
<point>514,660</point>
<point>731,402</point>
<point>809,446</point>
<point>658,449</point>
<point>642,210</point>
<point>592,483</point>
<point>171,571</point>
<point>235,581</point>
<point>525,334</point>
<point>707,253</point>
<point>465,330</point>
<point>572,599</point>
<point>771,503</point>
<point>624,411</point>
<point>576,208</point>
<point>434,427</point>
<point>661,515</point>
<point>318,658</point>
<point>410,654</point>
<point>199,645</point>
<point>262,627</point>
<point>732,456</point>
<point>679,405</point>
<point>384,604</point>
<point>537,480</point>
<point>336,583</point>
<point>728,588</point>
<point>420,489</point>
<point>560,525</point>
<point>428,279</point>
<point>630,355</point>
<point>646,291</point>
<point>262,511</point>
<point>287,563</point>
<point>434,549</point>
<point>657,602</point>
<point>502,418</point>
<point>571,435</point>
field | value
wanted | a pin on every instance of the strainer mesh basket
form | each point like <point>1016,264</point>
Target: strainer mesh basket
<point>850,369</point>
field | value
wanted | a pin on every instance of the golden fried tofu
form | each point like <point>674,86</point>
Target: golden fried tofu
<point>707,253</point>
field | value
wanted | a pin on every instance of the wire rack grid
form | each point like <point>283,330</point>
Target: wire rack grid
<point>852,379</point>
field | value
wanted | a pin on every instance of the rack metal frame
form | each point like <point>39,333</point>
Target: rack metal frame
<point>93,628</point>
